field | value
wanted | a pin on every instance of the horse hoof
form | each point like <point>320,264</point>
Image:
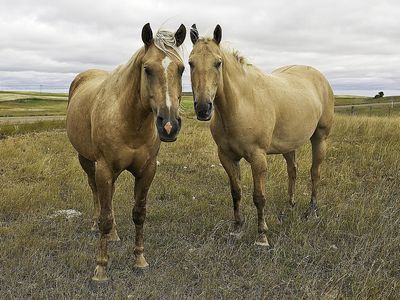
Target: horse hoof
<point>100,275</point>
<point>95,227</point>
<point>311,214</point>
<point>113,237</point>
<point>141,263</point>
<point>282,217</point>
<point>236,234</point>
<point>262,241</point>
<point>262,244</point>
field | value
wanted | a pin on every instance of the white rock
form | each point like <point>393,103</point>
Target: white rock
<point>68,213</point>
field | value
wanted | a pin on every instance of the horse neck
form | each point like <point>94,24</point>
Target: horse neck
<point>228,93</point>
<point>128,81</point>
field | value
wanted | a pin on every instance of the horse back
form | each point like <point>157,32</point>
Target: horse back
<point>307,84</point>
<point>89,77</point>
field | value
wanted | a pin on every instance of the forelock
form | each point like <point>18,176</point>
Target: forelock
<point>166,42</point>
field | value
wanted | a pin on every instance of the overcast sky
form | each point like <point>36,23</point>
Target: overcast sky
<point>355,43</point>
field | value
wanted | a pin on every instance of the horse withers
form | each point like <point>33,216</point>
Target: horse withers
<point>115,121</point>
<point>254,114</point>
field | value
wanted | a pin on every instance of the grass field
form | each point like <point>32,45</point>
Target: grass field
<point>373,110</point>
<point>32,104</point>
<point>354,100</point>
<point>19,104</point>
<point>352,250</point>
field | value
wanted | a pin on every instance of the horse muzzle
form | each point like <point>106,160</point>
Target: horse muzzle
<point>168,129</point>
<point>203,110</point>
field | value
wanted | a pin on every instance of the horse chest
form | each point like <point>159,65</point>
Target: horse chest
<point>231,140</point>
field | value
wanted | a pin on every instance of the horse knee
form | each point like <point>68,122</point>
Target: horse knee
<point>292,171</point>
<point>106,222</point>
<point>259,200</point>
<point>138,214</point>
<point>315,172</point>
<point>236,194</point>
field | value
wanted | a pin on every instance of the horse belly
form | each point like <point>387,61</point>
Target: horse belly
<point>291,136</point>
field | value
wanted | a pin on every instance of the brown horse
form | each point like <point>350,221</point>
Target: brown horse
<point>115,121</point>
<point>257,114</point>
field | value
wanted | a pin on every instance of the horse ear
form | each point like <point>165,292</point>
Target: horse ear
<point>147,35</point>
<point>194,34</point>
<point>217,34</point>
<point>180,35</point>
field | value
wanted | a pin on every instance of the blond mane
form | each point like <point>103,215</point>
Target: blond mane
<point>166,42</point>
<point>240,58</point>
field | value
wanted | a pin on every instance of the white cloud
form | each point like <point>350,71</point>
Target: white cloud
<point>354,42</point>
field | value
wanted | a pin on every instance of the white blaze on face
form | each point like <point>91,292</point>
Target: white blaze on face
<point>165,63</point>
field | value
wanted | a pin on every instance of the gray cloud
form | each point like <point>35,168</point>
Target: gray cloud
<point>355,43</point>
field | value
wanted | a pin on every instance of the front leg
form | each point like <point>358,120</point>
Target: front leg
<point>258,162</point>
<point>232,168</point>
<point>105,179</point>
<point>142,185</point>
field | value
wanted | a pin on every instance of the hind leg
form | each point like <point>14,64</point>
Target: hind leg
<point>292,175</point>
<point>89,167</point>
<point>318,142</point>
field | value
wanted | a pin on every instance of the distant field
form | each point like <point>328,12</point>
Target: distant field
<point>50,104</point>
<point>351,251</point>
<point>32,104</point>
<point>14,95</point>
<point>378,111</point>
<point>32,107</point>
<point>354,100</point>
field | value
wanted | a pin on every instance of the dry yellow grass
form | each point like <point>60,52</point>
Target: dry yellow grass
<point>351,251</point>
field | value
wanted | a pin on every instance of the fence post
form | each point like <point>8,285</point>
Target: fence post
<point>352,109</point>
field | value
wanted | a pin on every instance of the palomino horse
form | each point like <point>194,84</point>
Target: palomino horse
<point>257,114</point>
<point>115,121</point>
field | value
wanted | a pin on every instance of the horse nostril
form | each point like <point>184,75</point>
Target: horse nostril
<point>160,120</point>
<point>195,104</point>
<point>209,106</point>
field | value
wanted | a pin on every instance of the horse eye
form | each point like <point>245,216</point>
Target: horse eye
<point>180,70</point>
<point>147,70</point>
<point>191,64</point>
<point>218,64</point>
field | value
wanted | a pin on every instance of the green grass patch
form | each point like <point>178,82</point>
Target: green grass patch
<point>354,100</point>
<point>378,111</point>
<point>15,129</point>
<point>32,107</point>
<point>351,251</point>
<point>29,93</point>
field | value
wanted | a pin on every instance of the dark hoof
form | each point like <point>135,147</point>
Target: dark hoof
<point>264,247</point>
<point>311,213</point>
<point>282,217</point>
